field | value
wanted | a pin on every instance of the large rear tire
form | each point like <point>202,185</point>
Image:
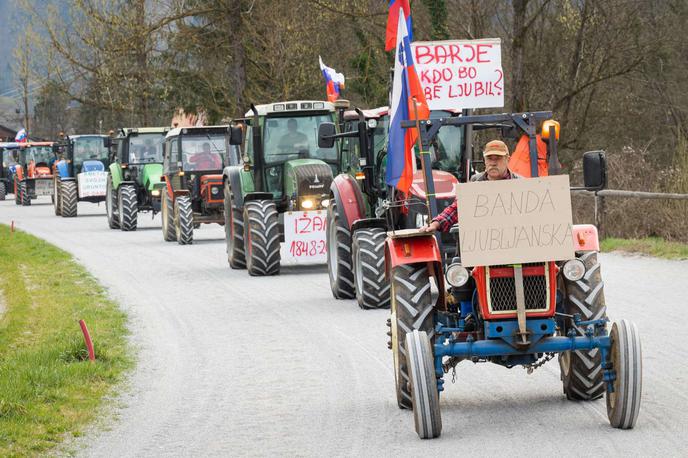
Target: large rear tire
<point>412,308</point>
<point>581,370</point>
<point>3,191</point>
<point>234,232</point>
<point>623,404</point>
<point>111,204</point>
<point>183,220</point>
<point>167,215</point>
<point>426,400</point>
<point>69,199</point>
<point>262,238</point>
<point>339,260</point>
<point>57,202</point>
<point>24,193</point>
<point>372,286</point>
<point>127,208</point>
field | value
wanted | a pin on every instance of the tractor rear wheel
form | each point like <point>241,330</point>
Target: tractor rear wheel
<point>167,215</point>
<point>262,238</point>
<point>623,404</point>
<point>69,199</point>
<point>412,308</point>
<point>17,193</point>
<point>127,208</point>
<point>3,191</point>
<point>183,220</point>
<point>234,232</point>
<point>57,202</point>
<point>24,193</point>
<point>426,400</point>
<point>581,370</point>
<point>111,205</point>
<point>339,254</point>
<point>368,250</point>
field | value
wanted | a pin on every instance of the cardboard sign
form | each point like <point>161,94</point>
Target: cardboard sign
<point>459,74</point>
<point>92,184</point>
<point>304,237</point>
<point>515,221</point>
<point>44,187</point>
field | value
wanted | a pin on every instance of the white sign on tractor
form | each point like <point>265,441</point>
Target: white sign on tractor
<point>460,74</point>
<point>304,237</point>
<point>92,184</point>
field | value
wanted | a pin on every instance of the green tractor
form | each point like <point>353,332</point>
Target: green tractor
<point>133,182</point>
<point>193,160</point>
<point>280,190</point>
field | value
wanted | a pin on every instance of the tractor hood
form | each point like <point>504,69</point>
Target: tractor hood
<point>445,185</point>
<point>307,177</point>
<point>150,175</point>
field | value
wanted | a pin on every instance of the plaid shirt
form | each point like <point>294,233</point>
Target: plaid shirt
<point>450,215</point>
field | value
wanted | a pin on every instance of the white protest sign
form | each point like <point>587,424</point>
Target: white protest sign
<point>459,74</point>
<point>304,237</point>
<point>515,221</point>
<point>92,184</point>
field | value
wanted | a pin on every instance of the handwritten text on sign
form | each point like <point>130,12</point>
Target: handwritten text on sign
<point>515,221</point>
<point>92,184</point>
<point>304,237</point>
<point>460,74</point>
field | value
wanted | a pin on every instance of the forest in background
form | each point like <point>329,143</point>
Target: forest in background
<point>613,72</point>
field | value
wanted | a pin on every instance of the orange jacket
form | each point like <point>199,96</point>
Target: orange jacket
<point>520,160</point>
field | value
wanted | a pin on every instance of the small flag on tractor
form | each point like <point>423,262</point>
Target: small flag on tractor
<point>406,91</point>
<point>21,136</point>
<point>395,7</point>
<point>333,80</point>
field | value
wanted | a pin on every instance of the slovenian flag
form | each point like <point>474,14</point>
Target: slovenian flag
<point>333,80</point>
<point>406,87</point>
<point>21,136</point>
<point>395,7</point>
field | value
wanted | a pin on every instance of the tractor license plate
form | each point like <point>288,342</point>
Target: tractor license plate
<point>44,187</point>
<point>304,237</point>
<point>92,184</point>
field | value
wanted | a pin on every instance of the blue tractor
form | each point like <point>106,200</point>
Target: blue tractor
<point>81,172</point>
<point>509,314</point>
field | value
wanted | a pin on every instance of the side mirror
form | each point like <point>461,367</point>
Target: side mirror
<point>326,132</point>
<point>595,170</point>
<point>56,148</point>
<point>236,135</point>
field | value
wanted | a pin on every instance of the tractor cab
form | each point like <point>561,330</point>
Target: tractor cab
<point>193,160</point>
<point>9,159</point>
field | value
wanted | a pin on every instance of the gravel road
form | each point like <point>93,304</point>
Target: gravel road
<point>235,365</point>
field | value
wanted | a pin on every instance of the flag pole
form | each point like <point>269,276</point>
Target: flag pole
<point>426,167</point>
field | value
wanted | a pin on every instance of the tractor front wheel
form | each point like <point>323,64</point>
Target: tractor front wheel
<point>412,308</point>
<point>234,232</point>
<point>111,205</point>
<point>69,198</point>
<point>183,220</point>
<point>3,191</point>
<point>426,400</point>
<point>57,201</point>
<point>127,208</point>
<point>623,404</point>
<point>24,193</point>
<point>581,370</point>
<point>339,262</point>
<point>368,252</point>
<point>167,215</point>
<point>262,238</point>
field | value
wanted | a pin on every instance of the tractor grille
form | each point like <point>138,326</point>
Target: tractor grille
<point>501,289</point>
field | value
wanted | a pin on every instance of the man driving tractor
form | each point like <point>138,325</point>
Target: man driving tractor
<point>496,155</point>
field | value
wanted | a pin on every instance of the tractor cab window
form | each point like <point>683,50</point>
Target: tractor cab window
<point>39,155</point>
<point>294,137</point>
<point>204,152</point>
<point>145,148</point>
<point>171,156</point>
<point>89,149</point>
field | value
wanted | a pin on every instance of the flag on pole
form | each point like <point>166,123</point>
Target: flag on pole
<point>333,80</point>
<point>406,91</point>
<point>21,136</point>
<point>395,7</point>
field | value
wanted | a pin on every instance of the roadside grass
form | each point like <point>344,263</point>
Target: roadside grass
<point>653,246</point>
<point>49,390</point>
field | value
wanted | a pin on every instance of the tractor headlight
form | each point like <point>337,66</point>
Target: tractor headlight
<point>307,204</point>
<point>574,269</point>
<point>325,203</point>
<point>457,275</point>
<point>155,193</point>
<point>214,190</point>
<point>421,220</point>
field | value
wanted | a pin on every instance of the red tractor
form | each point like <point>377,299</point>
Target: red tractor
<point>511,314</point>
<point>33,175</point>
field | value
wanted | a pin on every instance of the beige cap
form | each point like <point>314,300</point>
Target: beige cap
<point>496,148</point>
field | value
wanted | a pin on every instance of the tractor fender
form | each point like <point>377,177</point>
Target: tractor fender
<point>258,196</point>
<point>232,174</point>
<point>62,169</point>
<point>181,192</point>
<point>115,174</point>
<point>368,223</point>
<point>348,196</point>
<point>19,172</point>
<point>585,237</point>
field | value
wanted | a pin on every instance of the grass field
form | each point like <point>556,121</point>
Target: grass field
<point>49,390</point>
<point>653,246</point>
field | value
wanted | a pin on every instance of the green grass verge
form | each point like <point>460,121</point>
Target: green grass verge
<point>49,390</point>
<point>653,246</point>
